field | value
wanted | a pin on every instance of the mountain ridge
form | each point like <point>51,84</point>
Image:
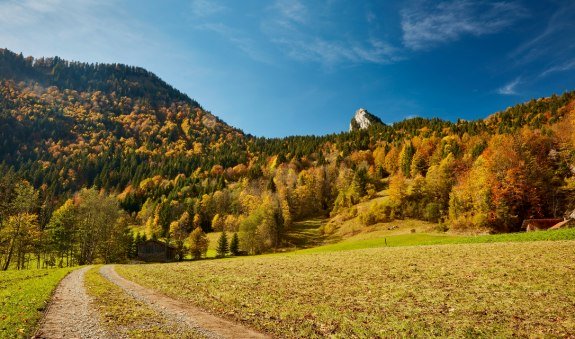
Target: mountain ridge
<point>165,149</point>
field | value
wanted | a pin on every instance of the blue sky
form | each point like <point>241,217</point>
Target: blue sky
<point>284,67</point>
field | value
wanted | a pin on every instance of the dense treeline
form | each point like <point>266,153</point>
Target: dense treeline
<point>87,228</point>
<point>157,159</point>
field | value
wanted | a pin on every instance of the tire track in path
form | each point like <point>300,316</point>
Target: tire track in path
<point>197,319</point>
<point>69,314</point>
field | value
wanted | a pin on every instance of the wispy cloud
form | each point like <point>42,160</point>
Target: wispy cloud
<point>292,10</point>
<point>330,53</point>
<point>553,47</point>
<point>426,24</point>
<point>86,30</point>
<point>327,41</point>
<point>204,8</point>
<point>239,39</point>
<point>566,66</point>
<point>510,88</point>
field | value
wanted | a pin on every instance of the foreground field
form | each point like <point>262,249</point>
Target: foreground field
<point>23,295</point>
<point>493,289</point>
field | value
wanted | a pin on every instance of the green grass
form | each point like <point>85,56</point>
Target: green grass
<point>367,240</point>
<point>304,234</point>
<point>471,290</point>
<point>23,296</point>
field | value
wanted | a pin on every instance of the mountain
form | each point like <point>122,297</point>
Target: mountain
<point>123,80</point>
<point>363,120</point>
<point>68,125</point>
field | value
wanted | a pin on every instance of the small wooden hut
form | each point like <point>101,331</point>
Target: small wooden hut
<point>539,224</point>
<point>155,250</point>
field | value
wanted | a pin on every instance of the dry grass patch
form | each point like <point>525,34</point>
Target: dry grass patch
<point>503,289</point>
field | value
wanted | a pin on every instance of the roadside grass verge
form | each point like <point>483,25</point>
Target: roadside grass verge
<point>23,297</point>
<point>508,289</point>
<point>124,316</point>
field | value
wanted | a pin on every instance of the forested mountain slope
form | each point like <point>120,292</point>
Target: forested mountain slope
<point>69,125</point>
<point>169,163</point>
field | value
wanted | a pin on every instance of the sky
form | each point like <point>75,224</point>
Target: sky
<point>275,68</point>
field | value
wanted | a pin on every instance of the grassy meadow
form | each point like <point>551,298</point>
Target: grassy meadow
<point>380,239</point>
<point>489,289</point>
<point>23,296</point>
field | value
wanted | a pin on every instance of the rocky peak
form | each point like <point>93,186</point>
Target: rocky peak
<point>363,119</point>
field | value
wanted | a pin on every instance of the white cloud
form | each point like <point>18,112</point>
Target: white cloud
<point>553,47</point>
<point>237,38</point>
<point>84,30</point>
<point>330,53</point>
<point>566,66</point>
<point>326,41</point>
<point>204,8</point>
<point>510,88</point>
<point>427,24</point>
<point>292,10</point>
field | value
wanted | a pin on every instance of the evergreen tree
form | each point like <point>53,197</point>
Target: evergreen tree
<point>235,245</point>
<point>223,248</point>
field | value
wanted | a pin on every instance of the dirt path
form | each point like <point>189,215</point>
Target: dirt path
<point>69,314</point>
<point>176,310</point>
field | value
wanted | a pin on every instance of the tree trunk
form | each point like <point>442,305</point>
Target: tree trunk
<point>9,257</point>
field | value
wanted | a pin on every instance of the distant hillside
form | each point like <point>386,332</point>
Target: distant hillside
<point>123,80</point>
<point>67,125</point>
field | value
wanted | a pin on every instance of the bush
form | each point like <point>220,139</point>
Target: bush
<point>441,227</point>
<point>432,212</point>
<point>198,243</point>
<point>368,218</point>
<point>378,212</point>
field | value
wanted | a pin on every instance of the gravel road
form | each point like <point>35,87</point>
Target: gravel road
<point>69,314</point>
<point>199,320</point>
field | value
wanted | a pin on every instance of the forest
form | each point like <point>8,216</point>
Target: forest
<point>89,151</point>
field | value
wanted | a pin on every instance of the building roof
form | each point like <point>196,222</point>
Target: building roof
<point>157,242</point>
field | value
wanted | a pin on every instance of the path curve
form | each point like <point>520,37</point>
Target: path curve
<point>69,314</point>
<point>194,317</point>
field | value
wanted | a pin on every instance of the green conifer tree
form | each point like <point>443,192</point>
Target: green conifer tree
<point>235,245</point>
<point>223,247</point>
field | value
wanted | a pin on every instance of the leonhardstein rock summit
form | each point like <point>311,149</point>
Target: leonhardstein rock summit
<point>363,119</point>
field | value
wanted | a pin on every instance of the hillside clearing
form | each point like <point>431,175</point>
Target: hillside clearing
<point>496,289</point>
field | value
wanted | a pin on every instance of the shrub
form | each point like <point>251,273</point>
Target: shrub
<point>378,212</point>
<point>432,212</point>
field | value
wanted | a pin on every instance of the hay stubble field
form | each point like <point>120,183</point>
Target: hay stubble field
<point>469,290</point>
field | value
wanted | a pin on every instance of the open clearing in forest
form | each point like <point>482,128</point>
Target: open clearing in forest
<point>23,296</point>
<point>491,289</point>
